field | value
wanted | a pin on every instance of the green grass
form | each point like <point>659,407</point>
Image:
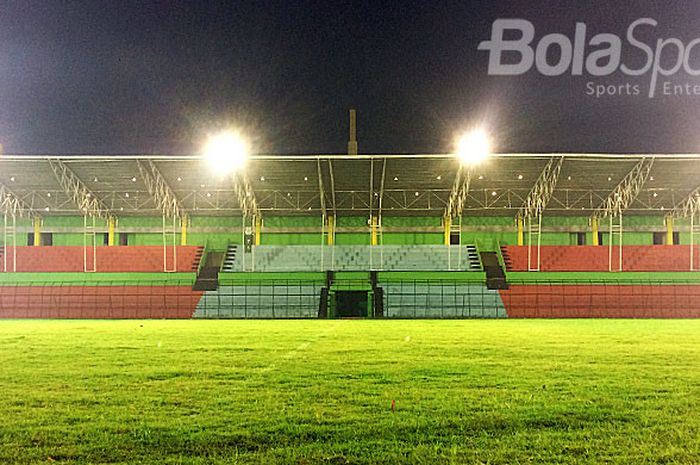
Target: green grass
<point>497,392</point>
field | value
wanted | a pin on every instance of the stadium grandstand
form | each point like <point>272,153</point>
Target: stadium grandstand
<point>376,236</point>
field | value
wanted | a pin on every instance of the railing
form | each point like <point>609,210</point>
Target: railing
<point>405,298</point>
<point>203,258</point>
<point>278,298</point>
<point>499,254</point>
<point>440,299</point>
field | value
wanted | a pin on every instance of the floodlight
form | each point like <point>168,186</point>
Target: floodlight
<point>226,152</point>
<point>473,147</point>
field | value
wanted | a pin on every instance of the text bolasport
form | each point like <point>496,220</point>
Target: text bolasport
<point>599,56</point>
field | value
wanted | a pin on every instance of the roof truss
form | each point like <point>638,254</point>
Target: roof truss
<point>159,189</point>
<point>13,205</point>
<point>542,191</point>
<point>397,185</point>
<point>689,206</point>
<point>459,193</point>
<point>246,198</point>
<point>78,192</point>
<point>627,190</point>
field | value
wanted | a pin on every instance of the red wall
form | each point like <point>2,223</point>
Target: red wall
<point>98,301</point>
<point>602,301</point>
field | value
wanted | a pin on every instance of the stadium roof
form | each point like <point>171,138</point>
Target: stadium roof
<point>399,185</point>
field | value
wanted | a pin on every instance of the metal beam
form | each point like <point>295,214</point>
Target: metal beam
<point>246,198</point>
<point>78,192</point>
<point>459,193</point>
<point>689,206</point>
<point>330,170</point>
<point>627,190</point>
<point>370,202</point>
<point>542,191</point>
<point>12,205</point>
<point>158,188</point>
<point>380,201</point>
<point>321,191</point>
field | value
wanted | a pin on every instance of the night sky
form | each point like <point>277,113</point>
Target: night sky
<point>156,77</point>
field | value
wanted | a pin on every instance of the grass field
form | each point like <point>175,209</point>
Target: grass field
<point>497,392</point>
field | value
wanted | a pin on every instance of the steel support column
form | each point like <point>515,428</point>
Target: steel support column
<point>88,203</point>
<point>534,205</point>
<point>618,201</point>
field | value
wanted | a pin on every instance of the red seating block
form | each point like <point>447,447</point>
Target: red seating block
<point>596,258</point>
<point>145,258</point>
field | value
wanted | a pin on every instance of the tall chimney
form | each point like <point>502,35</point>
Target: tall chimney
<point>352,143</point>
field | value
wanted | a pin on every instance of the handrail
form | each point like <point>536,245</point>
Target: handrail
<point>202,260</point>
<point>228,244</point>
<point>499,254</point>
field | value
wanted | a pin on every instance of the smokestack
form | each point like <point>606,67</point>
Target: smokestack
<point>352,143</point>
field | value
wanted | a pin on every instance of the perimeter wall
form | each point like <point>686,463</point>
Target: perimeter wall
<point>217,232</point>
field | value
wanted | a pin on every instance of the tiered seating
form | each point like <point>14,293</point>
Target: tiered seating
<point>287,258</point>
<point>146,258</point>
<point>590,258</point>
<point>406,258</point>
<point>48,258</point>
<point>658,258</point>
<point>109,259</point>
<point>360,258</point>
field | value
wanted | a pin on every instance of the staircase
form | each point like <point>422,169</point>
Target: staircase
<point>230,258</point>
<point>197,258</point>
<point>474,261</point>
<point>208,276</point>
<point>507,261</point>
<point>495,275</point>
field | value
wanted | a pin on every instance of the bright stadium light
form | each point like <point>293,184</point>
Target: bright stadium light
<point>226,152</point>
<point>473,147</point>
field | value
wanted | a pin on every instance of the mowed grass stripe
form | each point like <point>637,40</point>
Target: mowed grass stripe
<point>191,392</point>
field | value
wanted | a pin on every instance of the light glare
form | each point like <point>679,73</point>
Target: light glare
<point>473,147</point>
<point>226,153</point>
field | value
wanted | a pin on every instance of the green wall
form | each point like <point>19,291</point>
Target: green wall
<point>486,232</point>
